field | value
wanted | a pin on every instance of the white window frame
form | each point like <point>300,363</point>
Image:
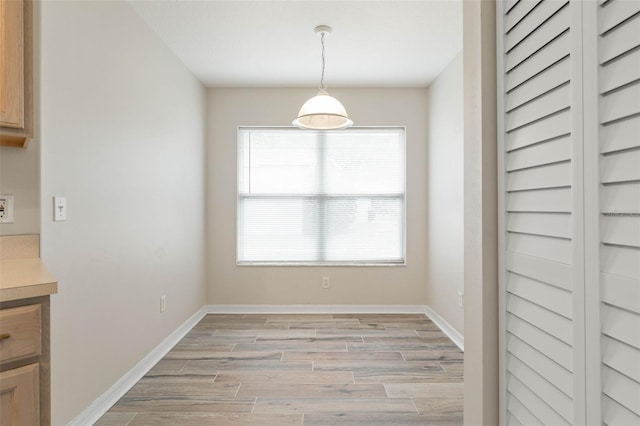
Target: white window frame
<point>376,263</point>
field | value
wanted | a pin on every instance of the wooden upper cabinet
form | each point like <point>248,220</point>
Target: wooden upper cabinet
<point>16,72</point>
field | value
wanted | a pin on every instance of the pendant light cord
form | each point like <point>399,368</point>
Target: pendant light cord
<point>322,86</point>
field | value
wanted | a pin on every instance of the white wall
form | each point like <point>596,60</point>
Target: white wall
<point>123,139</point>
<point>230,284</point>
<point>446,194</point>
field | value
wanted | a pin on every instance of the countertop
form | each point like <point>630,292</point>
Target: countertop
<point>25,278</point>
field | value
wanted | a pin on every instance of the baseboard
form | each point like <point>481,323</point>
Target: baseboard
<point>446,328</point>
<point>105,401</point>
<point>315,309</point>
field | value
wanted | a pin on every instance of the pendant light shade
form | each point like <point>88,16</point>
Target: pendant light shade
<point>322,112</point>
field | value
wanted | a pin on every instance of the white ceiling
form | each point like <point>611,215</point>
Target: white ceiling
<point>266,43</point>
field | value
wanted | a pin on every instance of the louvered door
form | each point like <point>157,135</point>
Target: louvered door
<point>542,211</point>
<point>569,158</point>
<point>612,147</point>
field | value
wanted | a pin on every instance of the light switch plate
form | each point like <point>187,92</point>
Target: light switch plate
<point>59,209</point>
<point>6,208</point>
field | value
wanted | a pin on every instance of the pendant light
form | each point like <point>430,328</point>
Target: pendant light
<point>322,112</point>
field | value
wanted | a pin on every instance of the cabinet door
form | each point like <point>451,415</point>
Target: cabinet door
<point>612,120</point>
<point>569,71</point>
<point>12,64</point>
<point>19,401</point>
<point>542,264</point>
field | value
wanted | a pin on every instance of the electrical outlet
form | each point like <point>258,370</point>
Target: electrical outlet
<point>6,208</point>
<point>325,282</point>
<point>460,299</point>
<point>163,303</point>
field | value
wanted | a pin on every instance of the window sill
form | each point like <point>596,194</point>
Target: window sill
<point>331,264</point>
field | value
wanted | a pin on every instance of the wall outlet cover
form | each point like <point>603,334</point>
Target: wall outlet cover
<point>6,209</point>
<point>325,282</point>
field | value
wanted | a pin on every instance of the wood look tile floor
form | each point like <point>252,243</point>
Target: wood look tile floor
<point>334,369</point>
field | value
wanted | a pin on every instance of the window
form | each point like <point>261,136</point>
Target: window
<point>308,197</point>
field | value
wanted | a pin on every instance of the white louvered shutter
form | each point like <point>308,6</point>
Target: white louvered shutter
<point>569,158</point>
<point>542,208</point>
<point>612,150</point>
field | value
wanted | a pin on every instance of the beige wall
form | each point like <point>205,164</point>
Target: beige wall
<point>123,139</point>
<point>231,284</point>
<point>480,214</point>
<point>446,195</point>
<point>20,177</point>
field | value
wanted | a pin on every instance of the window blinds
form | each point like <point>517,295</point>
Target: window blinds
<point>321,197</point>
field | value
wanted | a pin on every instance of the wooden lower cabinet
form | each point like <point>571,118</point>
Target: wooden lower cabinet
<point>24,362</point>
<point>20,396</point>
